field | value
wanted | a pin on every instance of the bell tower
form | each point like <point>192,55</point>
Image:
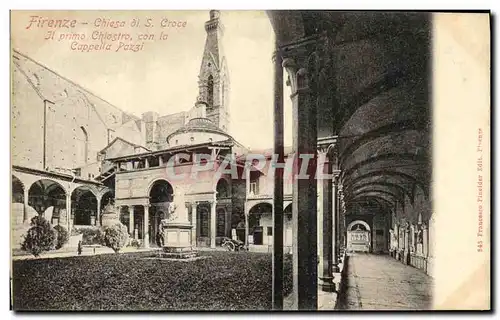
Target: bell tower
<point>213,79</point>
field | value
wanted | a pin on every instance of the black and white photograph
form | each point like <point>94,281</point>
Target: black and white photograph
<point>243,160</point>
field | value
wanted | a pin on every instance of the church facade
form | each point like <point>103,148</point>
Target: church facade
<point>73,153</point>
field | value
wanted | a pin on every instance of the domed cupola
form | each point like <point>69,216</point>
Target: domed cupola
<point>197,131</point>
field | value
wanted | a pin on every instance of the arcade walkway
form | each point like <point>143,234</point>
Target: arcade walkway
<point>378,282</point>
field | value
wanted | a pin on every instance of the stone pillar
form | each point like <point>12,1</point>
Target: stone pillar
<point>146,226</point>
<point>300,65</point>
<point>146,163</point>
<point>68,211</point>
<point>247,188</point>
<point>246,225</point>
<point>98,213</point>
<point>213,223</point>
<point>160,160</point>
<point>131,222</point>
<point>328,228</point>
<point>335,226</point>
<point>338,214</point>
<point>407,245</point>
<point>425,242</point>
<point>194,217</point>
<point>26,204</point>
<point>278,221</point>
<point>247,178</point>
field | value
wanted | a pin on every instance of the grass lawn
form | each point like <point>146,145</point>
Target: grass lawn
<point>222,281</point>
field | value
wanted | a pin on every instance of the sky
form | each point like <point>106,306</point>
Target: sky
<point>163,75</point>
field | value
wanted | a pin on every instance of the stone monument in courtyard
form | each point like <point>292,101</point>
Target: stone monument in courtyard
<point>176,229</point>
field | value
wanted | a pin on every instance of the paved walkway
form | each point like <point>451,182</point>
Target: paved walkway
<point>379,282</point>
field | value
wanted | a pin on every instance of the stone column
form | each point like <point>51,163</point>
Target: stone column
<point>160,160</point>
<point>246,225</point>
<point>26,204</point>
<point>131,223</point>
<point>194,217</point>
<point>247,192</point>
<point>146,226</point>
<point>301,65</point>
<point>278,221</point>
<point>213,223</point>
<point>68,211</point>
<point>338,214</point>
<point>247,178</point>
<point>98,213</point>
<point>328,228</point>
<point>335,224</point>
<point>146,163</point>
<point>407,245</point>
<point>425,242</point>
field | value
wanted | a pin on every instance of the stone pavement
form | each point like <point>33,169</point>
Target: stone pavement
<point>327,301</point>
<point>379,282</point>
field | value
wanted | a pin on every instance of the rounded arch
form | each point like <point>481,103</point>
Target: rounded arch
<point>45,193</point>
<point>82,147</point>
<point>361,222</point>
<point>84,206</point>
<point>94,192</point>
<point>107,198</point>
<point>221,222</point>
<point>223,189</point>
<point>261,207</point>
<point>17,190</point>
<point>160,190</point>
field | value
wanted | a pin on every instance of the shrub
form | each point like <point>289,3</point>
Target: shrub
<point>90,235</point>
<point>114,236</point>
<point>134,243</point>
<point>40,237</point>
<point>62,236</point>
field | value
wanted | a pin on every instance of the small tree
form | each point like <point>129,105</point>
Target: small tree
<point>114,236</point>
<point>62,236</point>
<point>40,237</point>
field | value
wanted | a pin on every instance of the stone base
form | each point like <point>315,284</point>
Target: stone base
<point>176,252</point>
<point>327,285</point>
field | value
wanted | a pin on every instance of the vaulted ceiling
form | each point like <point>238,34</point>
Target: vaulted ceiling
<point>378,99</point>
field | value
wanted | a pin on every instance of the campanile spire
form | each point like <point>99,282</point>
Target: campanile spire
<point>213,79</point>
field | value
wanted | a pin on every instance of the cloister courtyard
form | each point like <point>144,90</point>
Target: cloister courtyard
<point>217,280</point>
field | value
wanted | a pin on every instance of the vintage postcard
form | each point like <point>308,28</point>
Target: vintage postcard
<point>250,160</point>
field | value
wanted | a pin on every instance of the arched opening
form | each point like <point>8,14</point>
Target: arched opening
<point>161,195</point>
<point>83,207</point>
<point>47,194</point>
<point>203,224</point>
<point>210,91</point>
<point>82,147</point>
<point>358,226</point>
<point>106,199</point>
<point>17,190</point>
<point>17,208</point>
<point>358,236</point>
<point>221,223</point>
<point>260,223</point>
<point>223,190</point>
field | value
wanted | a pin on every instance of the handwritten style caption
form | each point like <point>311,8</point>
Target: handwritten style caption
<point>103,34</point>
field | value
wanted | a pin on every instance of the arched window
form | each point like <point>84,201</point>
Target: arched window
<point>210,91</point>
<point>83,146</point>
